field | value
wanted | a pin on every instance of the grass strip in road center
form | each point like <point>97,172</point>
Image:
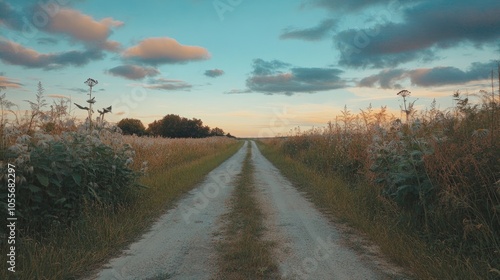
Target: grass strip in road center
<point>242,252</point>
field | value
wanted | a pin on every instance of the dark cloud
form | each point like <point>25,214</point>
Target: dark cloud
<point>61,20</point>
<point>430,77</point>
<point>316,74</point>
<point>354,5</point>
<point>372,53</point>
<point>426,27</point>
<point>214,73</point>
<point>439,76</point>
<point>74,58</point>
<point>269,78</point>
<point>46,41</point>
<point>133,72</point>
<point>316,33</point>
<point>261,67</point>
<point>386,79</point>
<point>10,17</point>
<point>168,84</point>
<point>16,54</point>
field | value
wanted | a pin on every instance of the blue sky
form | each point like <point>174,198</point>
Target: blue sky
<point>253,68</point>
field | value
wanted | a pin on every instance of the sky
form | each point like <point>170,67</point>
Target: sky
<point>252,68</point>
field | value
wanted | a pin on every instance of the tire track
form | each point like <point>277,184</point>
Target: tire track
<point>310,247</point>
<point>180,244</point>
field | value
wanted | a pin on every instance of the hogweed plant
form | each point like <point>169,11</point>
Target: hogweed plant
<point>408,107</point>
<point>91,101</point>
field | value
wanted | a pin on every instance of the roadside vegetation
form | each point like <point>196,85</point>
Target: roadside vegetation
<point>425,188</point>
<point>242,252</point>
<point>84,190</point>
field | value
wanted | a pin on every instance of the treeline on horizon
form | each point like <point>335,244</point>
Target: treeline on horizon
<point>171,126</point>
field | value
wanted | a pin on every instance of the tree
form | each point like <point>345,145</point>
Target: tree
<point>217,132</point>
<point>132,126</point>
<point>174,126</point>
<point>154,128</point>
<point>171,126</point>
<point>195,129</point>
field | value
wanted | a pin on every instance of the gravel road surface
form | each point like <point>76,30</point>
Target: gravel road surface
<point>181,244</point>
<point>309,245</point>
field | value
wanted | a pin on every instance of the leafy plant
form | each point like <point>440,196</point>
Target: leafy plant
<point>399,166</point>
<point>62,167</point>
<point>58,175</point>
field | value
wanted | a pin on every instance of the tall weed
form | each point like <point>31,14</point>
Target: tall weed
<point>439,169</point>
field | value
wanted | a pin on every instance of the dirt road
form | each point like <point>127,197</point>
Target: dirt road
<point>181,244</point>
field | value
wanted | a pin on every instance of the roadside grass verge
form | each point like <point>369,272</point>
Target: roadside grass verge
<point>242,253</point>
<point>361,206</point>
<point>71,252</point>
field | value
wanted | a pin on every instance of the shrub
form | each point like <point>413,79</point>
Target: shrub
<point>58,175</point>
<point>131,126</point>
<point>61,167</point>
<point>398,165</point>
<point>439,170</point>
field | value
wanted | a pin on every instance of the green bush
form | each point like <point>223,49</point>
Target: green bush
<point>398,165</point>
<point>57,176</point>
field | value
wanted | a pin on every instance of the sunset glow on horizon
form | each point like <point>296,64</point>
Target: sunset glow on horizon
<point>252,68</point>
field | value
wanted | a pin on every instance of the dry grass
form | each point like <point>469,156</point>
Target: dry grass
<point>427,190</point>
<point>243,254</point>
<point>163,154</point>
